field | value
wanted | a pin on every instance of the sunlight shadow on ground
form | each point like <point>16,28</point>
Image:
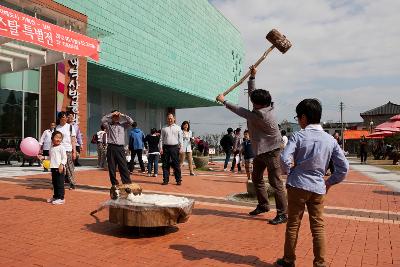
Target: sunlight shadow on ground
<point>192,253</point>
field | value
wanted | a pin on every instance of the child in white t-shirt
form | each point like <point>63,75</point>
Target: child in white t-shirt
<point>58,159</point>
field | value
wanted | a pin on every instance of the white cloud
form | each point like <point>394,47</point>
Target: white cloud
<point>338,48</point>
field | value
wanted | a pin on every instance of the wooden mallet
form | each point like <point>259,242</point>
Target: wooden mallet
<point>278,41</point>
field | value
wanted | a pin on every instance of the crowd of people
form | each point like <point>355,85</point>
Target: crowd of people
<point>61,144</point>
<point>304,157</point>
<point>172,143</point>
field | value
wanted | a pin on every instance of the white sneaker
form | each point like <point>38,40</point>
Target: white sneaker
<point>225,170</point>
<point>149,175</point>
<point>50,200</point>
<point>58,202</point>
<point>155,175</point>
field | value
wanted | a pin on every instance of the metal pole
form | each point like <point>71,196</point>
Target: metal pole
<point>23,107</point>
<point>341,122</point>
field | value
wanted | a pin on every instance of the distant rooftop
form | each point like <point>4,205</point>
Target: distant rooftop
<point>387,109</point>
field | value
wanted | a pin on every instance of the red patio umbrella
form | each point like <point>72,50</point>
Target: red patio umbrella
<point>392,125</point>
<point>387,129</point>
<point>380,135</point>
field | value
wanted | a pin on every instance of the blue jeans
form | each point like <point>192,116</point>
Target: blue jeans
<point>153,160</point>
<point>227,158</point>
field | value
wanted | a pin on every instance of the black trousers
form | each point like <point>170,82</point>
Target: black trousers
<point>331,166</point>
<point>116,157</point>
<point>57,180</point>
<point>363,156</point>
<point>236,163</point>
<point>137,152</point>
<point>170,158</point>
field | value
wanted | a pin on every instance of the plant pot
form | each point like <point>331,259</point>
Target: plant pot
<point>200,161</point>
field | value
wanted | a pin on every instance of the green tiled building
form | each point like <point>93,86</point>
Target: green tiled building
<point>157,56</point>
<point>170,53</point>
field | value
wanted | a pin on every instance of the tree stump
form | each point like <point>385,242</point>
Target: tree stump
<point>200,161</point>
<point>141,213</point>
<point>252,192</point>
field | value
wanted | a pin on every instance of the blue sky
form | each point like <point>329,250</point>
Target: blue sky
<point>342,51</point>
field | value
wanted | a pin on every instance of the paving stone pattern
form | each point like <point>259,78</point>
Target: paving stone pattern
<point>362,225</point>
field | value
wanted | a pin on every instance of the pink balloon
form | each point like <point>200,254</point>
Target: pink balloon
<point>30,147</point>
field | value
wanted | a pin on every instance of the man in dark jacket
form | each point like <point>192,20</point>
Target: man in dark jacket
<point>266,142</point>
<point>136,145</point>
<point>237,145</point>
<point>152,144</point>
<point>227,145</point>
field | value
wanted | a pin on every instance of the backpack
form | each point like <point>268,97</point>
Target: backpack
<point>94,139</point>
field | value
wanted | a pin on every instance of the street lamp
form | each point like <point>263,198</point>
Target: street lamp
<point>371,124</point>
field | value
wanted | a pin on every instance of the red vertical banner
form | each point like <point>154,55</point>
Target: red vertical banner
<point>60,85</point>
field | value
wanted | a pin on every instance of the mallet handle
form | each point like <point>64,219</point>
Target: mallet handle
<point>248,72</point>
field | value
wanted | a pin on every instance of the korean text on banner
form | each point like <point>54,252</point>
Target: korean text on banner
<point>19,26</point>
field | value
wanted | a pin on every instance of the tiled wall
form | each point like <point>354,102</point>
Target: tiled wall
<point>185,45</point>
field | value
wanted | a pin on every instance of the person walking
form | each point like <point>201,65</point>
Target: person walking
<point>116,123</point>
<point>170,144</point>
<point>186,149</point>
<point>69,143</point>
<point>152,141</point>
<point>79,138</point>
<point>306,159</point>
<point>266,142</point>
<point>248,154</point>
<point>363,149</point>
<point>237,144</point>
<point>227,145</point>
<point>136,145</point>
<point>339,141</point>
<point>45,142</point>
<point>101,138</point>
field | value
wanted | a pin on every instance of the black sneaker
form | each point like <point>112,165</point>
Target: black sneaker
<point>258,210</point>
<point>178,183</point>
<point>71,187</point>
<point>164,183</point>
<point>283,263</point>
<point>278,219</point>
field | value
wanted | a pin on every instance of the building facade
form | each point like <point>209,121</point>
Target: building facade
<point>155,56</point>
<point>378,115</point>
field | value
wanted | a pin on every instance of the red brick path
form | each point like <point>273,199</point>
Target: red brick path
<point>34,233</point>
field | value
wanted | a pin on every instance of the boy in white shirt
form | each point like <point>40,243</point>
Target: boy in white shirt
<point>58,160</point>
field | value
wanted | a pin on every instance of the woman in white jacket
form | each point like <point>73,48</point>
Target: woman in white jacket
<point>186,148</point>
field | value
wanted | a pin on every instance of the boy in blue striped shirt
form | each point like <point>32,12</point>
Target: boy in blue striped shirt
<point>305,159</point>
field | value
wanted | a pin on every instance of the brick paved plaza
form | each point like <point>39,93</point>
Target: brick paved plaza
<point>362,225</point>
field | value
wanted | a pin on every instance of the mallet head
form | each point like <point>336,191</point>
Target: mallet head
<point>279,40</point>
